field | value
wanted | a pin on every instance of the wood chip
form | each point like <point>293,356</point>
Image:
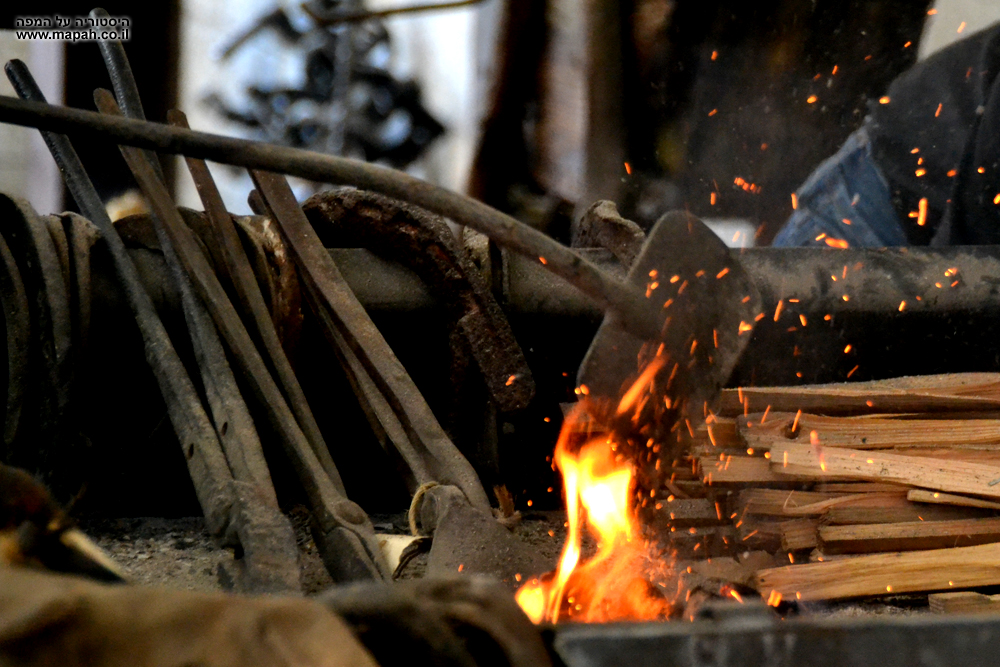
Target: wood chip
<point>906,511</point>
<point>908,536</point>
<point>866,433</point>
<point>744,469</point>
<point>798,534</point>
<point>938,474</point>
<point>963,602</point>
<point>777,502</point>
<point>937,497</point>
<point>931,393</point>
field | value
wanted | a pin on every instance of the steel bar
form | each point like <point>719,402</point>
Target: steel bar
<point>229,414</point>
<point>637,313</point>
<point>255,311</point>
<point>270,560</point>
<point>203,454</point>
<point>335,18</point>
<point>385,424</point>
<point>345,536</point>
<point>122,80</point>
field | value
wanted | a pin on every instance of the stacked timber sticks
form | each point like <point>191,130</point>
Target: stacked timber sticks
<point>841,491</point>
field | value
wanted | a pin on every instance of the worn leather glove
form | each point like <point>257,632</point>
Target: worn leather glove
<point>457,621</point>
<point>49,619</point>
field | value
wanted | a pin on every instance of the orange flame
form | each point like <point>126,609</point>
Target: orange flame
<point>615,582</point>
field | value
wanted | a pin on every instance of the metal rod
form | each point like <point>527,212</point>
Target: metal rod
<point>122,80</point>
<point>637,313</point>
<point>346,539</point>
<point>357,17</point>
<point>264,533</point>
<point>203,453</point>
<point>251,301</point>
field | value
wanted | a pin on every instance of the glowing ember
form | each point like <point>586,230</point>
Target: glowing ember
<point>615,582</point>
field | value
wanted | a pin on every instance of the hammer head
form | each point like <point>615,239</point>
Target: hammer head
<point>709,305</point>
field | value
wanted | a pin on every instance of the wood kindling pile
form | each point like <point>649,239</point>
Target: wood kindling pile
<point>887,487</point>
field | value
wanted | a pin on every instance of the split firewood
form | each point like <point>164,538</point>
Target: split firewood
<point>779,502</point>
<point>867,433</point>
<point>933,393</point>
<point>757,535</point>
<point>884,574</point>
<point>847,508</point>
<point>904,471</point>
<point>745,469</point>
<point>710,573</point>
<point>963,602</point>
<point>725,569</point>
<point>846,515</point>
<point>817,556</point>
<point>908,536</point>
<point>799,534</point>
<point>936,497</point>
<point>860,487</point>
<point>687,512</point>
<point>940,474</point>
<point>987,457</point>
<point>718,433</point>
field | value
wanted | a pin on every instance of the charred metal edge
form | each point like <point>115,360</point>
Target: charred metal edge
<point>956,641</point>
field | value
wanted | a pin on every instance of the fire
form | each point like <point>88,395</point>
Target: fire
<point>615,582</point>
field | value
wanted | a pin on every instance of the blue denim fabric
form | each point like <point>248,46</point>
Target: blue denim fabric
<point>848,185</point>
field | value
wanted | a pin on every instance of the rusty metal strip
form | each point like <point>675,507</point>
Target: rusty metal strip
<point>424,243</point>
<point>337,307</point>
